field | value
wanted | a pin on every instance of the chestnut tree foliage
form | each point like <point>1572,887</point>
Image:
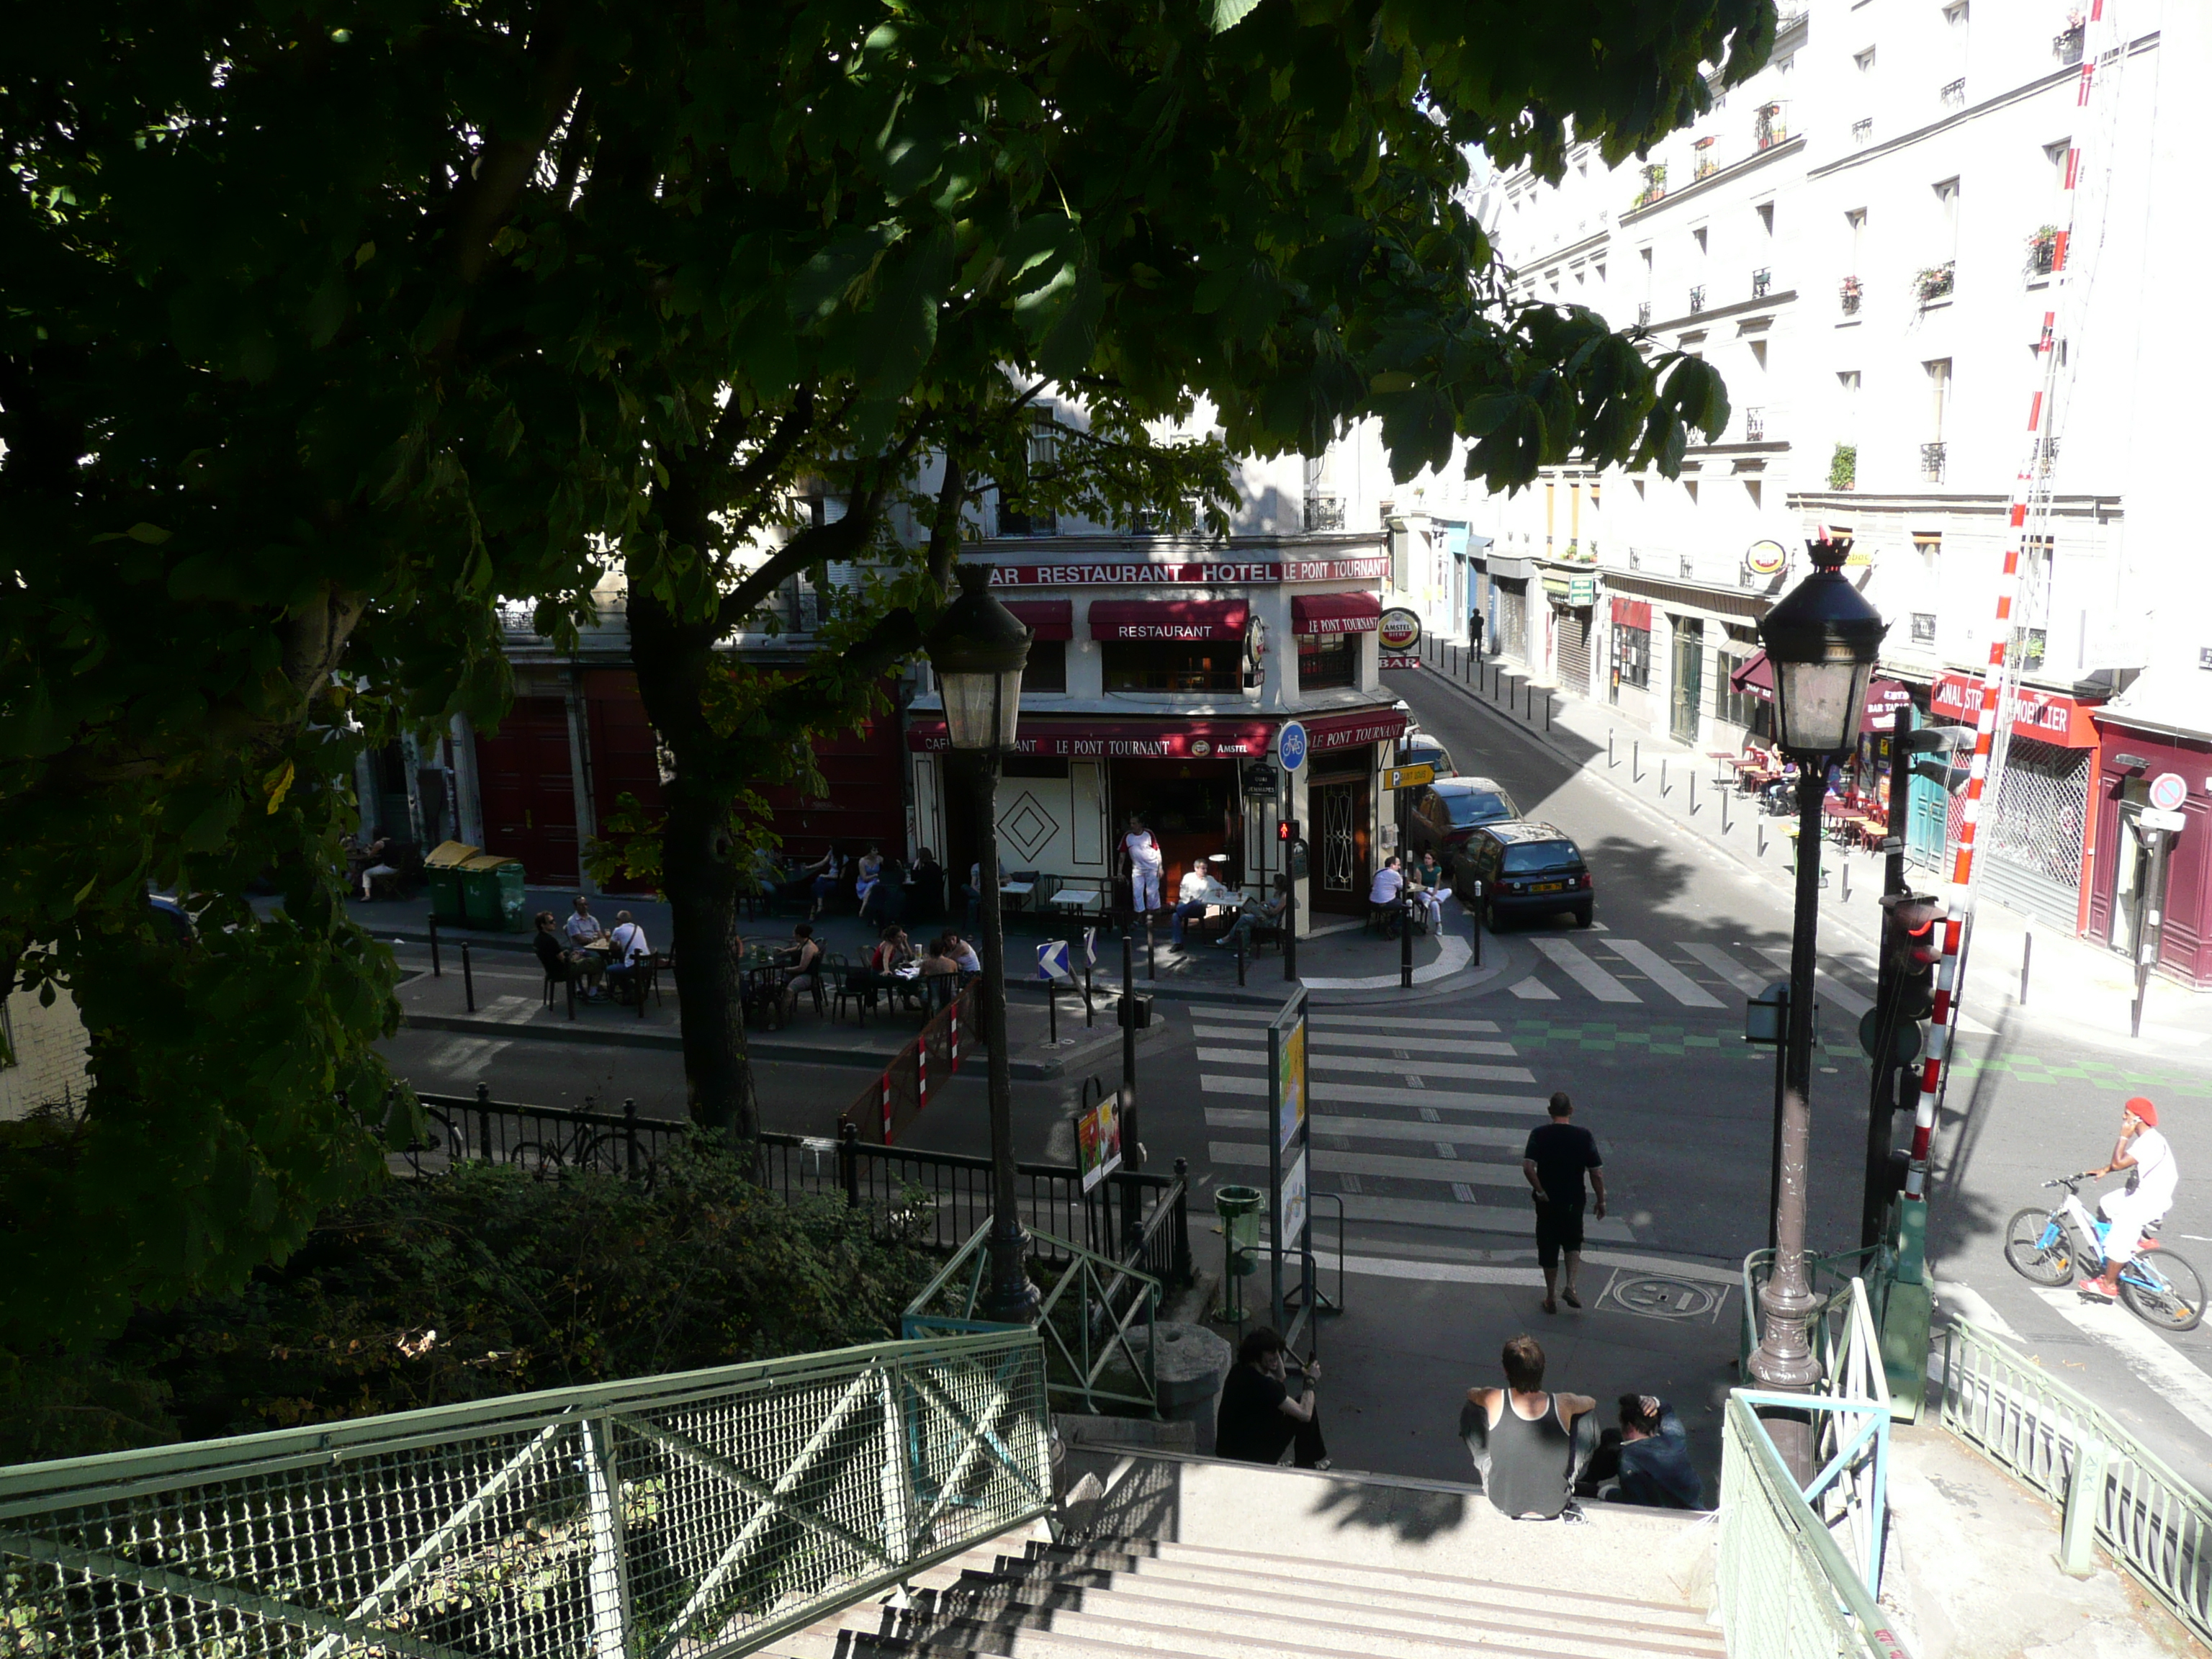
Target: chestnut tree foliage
<point>326,325</point>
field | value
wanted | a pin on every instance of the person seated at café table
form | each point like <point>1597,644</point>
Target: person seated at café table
<point>1430,898</point>
<point>803,955</point>
<point>939,971</point>
<point>582,927</point>
<point>1190,899</point>
<point>1254,914</point>
<point>883,901</point>
<point>870,872</point>
<point>626,949</point>
<point>927,880</point>
<point>962,952</point>
<point>564,963</point>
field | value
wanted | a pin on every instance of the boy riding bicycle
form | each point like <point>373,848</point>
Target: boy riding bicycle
<point>2149,1194</point>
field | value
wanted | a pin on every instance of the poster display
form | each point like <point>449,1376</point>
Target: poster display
<point>1098,1141</point>
<point>1288,1094</point>
<point>1291,1085</point>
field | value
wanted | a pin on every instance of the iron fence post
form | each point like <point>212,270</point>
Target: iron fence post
<point>437,967</point>
<point>848,1163</point>
<point>630,1135</point>
<point>1182,1262</point>
<point>610,1567</point>
<point>2085,1500</point>
<point>468,978</point>
<point>483,1121</point>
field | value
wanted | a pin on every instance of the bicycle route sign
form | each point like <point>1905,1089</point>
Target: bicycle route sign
<point>1290,745</point>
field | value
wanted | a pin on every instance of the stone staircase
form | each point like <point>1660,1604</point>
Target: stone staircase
<point>1175,1556</point>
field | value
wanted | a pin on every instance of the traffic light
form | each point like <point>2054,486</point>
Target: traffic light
<point>1286,829</point>
<point>1910,947</point>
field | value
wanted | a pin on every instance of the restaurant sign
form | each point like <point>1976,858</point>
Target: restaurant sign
<point>1189,573</point>
<point>1174,739</point>
<point>2045,716</point>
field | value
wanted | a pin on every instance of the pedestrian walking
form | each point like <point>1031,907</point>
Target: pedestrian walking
<point>1558,1156</point>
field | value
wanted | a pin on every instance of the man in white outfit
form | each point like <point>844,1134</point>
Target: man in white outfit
<point>2149,1194</point>
<point>1143,867</point>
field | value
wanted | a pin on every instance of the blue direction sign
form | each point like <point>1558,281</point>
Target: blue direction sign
<point>1052,960</point>
<point>1290,745</point>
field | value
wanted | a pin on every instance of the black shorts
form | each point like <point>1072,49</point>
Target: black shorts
<point>1559,1227</point>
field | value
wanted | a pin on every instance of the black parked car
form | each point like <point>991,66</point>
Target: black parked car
<point>1526,871</point>
<point>1446,814</point>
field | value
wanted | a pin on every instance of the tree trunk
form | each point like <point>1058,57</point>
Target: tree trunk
<point>700,882</point>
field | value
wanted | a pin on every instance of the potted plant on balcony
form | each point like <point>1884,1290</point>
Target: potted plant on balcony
<point>1655,184</point>
<point>1705,163</point>
<point>2043,251</point>
<point>1850,296</point>
<point>1933,282</point>
<point>1843,467</point>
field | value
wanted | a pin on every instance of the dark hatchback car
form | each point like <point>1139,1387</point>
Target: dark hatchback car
<point>1446,813</point>
<point>1527,871</point>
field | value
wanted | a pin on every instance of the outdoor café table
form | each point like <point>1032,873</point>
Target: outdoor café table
<point>762,977</point>
<point>1016,892</point>
<point>1078,900</point>
<point>1725,763</point>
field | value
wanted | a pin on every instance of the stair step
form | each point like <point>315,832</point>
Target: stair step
<point>1478,1615</point>
<point>1016,1644</point>
<point>1374,1586</point>
<point>1284,1622</point>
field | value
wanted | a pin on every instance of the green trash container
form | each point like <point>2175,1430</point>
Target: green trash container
<point>1239,1210</point>
<point>491,893</point>
<point>441,874</point>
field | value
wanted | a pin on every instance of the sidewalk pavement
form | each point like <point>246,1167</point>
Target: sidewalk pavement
<point>2070,981</point>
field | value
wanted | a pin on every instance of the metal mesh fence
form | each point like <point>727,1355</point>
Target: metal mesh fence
<point>884,1109</point>
<point>671,1517</point>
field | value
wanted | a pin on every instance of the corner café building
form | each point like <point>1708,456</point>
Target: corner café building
<point>1159,678</point>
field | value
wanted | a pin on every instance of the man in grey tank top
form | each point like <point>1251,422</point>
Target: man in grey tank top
<point>1528,1446</point>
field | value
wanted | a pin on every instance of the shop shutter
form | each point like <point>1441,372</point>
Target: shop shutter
<point>1575,651</point>
<point>1512,618</point>
<point>2033,849</point>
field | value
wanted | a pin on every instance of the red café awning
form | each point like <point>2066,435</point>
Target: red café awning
<point>1169,619</point>
<point>1104,737</point>
<point>1048,619</point>
<point>1336,613</point>
<point>1883,697</point>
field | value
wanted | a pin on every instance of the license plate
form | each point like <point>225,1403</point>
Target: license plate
<point>1549,887</point>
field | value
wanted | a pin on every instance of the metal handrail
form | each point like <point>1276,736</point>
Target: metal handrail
<point>1096,1281</point>
<point>701,1512</point>
<point>2115,1491</point>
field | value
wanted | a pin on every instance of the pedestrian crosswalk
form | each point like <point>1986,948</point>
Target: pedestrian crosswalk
<point>1402,1128</point>
<point>1683,974</point>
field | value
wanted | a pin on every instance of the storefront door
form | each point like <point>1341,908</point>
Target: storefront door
<point>1343,847</point>
<point>1689,676</point>
<point>2131,897</point>
<point>527,785</point>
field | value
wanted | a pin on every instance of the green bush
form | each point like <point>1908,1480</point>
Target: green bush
<point>1843,467</point>
<point>484,1281</point>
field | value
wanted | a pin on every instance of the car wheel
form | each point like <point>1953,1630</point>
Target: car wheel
<point>1583,916</point>
<point>1489,916</point>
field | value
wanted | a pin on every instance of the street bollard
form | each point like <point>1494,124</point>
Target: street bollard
<point>1406,947</point>
<point>1478,923</point>
<point>2027,951</point>
<point>1636,761</point>
<point>1724,806</point>
<point>1548,711</point>
<point>1051,1011</point>
<point>1152,967</point>
<point>1693,795</point>
<point>1847,879</point>
<point>1662,775</point>
<point>1609,762</point>
<point>1240,959</point>
<point>2085,1500</point>
<point>468,977</point>
<point>437,969</point>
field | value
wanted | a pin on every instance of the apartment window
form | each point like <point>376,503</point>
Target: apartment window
<point>1631,654</point>
<point>1046,668</point>
<point>1043,456</point>
<point>1326,660</point>
<point>2033,643</point>
<point>1174,665</point>
<point>1862,131</point>
<point>1923,628</point>
<point>1864,60</point>
<point>1848,379</point>
<point>1758,353</point>
<point>1766,212</point>
<point>1699,236</point>
<point>1735,708</point>
<point>1929,545</point>
<point>1955,14</point>
<point>1947,207</point>
<point>2058,157</point>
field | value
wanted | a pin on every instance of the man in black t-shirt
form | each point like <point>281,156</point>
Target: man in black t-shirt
<point>1258,1416</point>
<point>1555,1158</point>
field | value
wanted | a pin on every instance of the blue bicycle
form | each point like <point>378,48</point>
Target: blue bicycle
<point>2045,1245</point>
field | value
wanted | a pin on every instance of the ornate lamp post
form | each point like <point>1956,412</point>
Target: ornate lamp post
<point>1822,641</point>
<point>978,650</point>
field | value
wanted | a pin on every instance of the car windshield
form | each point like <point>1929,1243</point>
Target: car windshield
<point>1533,857</point>
<point>1478,806</point>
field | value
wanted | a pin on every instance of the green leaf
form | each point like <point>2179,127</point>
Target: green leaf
<point>152,534</point>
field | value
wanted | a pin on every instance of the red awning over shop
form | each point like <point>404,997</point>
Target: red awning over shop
<point>2044,716</point>
<point>1169,619</point>
<point>1336,613</point>
<point>1883,699</point>
<point>1632,613</point>
<point>1329,732</point>
<point>1118,740</point>
<point>1756,676</point>
<point>1048,619</point>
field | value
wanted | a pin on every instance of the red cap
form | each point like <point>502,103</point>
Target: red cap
<point>2144,1109</point>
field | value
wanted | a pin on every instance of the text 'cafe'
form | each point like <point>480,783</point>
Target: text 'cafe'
<point>1168,702</point>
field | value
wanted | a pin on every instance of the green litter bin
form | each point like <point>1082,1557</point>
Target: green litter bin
<point>441,874</point>
<point>1239,1210</point>
<point>491,893</point>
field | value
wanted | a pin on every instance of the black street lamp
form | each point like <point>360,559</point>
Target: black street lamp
<point>1822,641</point>
<point>978,650</point>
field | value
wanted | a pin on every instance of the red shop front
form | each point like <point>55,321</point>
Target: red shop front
<point>2121,895</point>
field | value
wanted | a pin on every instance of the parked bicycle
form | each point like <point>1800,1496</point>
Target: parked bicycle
<point>2046,1245</point>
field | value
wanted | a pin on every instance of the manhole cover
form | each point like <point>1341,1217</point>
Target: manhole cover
<point>1655,1295</point>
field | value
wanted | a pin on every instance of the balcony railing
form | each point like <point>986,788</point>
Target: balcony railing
<point>1755,426</point>
<point>2047,458</point>
<point>1643,314</point>
<point>1688,567</point>
<point>1324,512</point>
<point>1923,628</point>
<point>1851,296</point>
<point>1932,462</point>
<point>1705,165</point>
<point>1761,280</point>
<point>1935,282</point>
<point>1953,94</point>
<point>1655,184</point>
<point>1769,129</point>
<point>1862,131</point>
<point>2066,47</point>
<point>2042,252</point>
<point>1697,298</point>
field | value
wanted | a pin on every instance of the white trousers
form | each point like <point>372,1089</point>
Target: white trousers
<point>1144,884</point>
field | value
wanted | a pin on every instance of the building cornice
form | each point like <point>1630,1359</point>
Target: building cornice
<point>2102,508</point>
<point>1750,163</point>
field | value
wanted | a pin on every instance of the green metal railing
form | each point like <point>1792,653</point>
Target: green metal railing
<point>668,1517</point>
<point>1786,1591</point>
<point>2115,1493</point>
<point>1089,1310</point>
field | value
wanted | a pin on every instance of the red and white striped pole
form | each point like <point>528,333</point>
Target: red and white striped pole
<point>1993,695</point>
